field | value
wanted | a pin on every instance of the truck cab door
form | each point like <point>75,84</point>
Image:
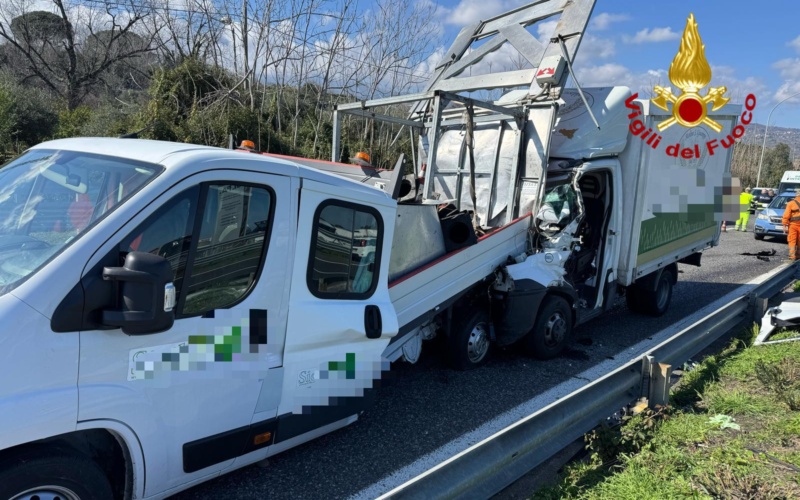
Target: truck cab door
<point>341,318</point>
<point>189,393</point>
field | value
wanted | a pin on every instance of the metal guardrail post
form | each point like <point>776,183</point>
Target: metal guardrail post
<point>659,385</point>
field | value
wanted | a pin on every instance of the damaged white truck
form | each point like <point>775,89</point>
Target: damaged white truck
<point>174,312</point>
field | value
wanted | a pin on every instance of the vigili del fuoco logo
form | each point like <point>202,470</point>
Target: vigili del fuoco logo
<point>691,73</point>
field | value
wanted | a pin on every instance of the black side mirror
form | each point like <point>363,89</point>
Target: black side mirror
<point>145,292</point>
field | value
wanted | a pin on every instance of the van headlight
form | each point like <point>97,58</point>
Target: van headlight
<point>763,217</point>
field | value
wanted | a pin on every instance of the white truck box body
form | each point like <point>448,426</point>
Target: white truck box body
<point>669,207</point>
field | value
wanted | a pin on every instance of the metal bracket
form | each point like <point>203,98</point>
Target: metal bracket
<point>655,382</point>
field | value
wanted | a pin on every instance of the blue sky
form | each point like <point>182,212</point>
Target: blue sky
<point>751,48</point>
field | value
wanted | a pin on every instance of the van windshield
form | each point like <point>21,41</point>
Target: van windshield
<point>48,198</point>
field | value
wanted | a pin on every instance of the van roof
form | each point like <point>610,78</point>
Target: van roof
<point>174,154</point>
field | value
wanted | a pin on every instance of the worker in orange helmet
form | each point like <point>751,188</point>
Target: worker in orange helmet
<point>791,225</point>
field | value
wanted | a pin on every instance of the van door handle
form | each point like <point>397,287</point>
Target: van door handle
<point>373,325</point>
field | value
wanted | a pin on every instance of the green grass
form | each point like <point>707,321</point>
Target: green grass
<point>689,453</point>
<point>784,334</point>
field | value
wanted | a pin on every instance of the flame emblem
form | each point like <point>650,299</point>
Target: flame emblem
<point>690,72</point>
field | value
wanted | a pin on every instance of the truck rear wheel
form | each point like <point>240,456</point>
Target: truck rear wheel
<point>39,477</point>
<point>552,330</point>
<point>656,303</point>
<point>468,343</point>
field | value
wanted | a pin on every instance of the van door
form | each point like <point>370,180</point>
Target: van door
<point>189,393</point>
<point>340,317</point>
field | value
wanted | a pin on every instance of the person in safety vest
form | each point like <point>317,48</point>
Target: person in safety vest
<point>791,225</point>
<point>744,210</point>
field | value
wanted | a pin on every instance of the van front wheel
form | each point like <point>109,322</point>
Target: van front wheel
<point>552,330</point>
<point>39,476</point>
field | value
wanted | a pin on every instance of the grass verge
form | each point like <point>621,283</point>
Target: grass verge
<point>732,431</point>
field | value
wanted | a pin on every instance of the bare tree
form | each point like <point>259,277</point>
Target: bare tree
<point>59,58</point>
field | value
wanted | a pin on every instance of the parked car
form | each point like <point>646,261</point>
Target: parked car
<point>761,199</point>
<point>769,221</point>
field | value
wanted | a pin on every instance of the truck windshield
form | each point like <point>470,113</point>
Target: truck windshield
<point>48,198</point>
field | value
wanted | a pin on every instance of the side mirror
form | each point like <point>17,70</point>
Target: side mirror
<point>145,292</point>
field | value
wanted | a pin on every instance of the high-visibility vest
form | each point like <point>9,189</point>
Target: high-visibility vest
<point>744,201</point>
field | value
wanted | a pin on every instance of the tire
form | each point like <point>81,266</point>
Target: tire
<point>45,476</point>
<point>552,330</point>
<point>468,344</point>
<point>758,236</point>
<point>656,303</point>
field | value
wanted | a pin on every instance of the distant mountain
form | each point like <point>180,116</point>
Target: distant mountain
<point>789,136</point>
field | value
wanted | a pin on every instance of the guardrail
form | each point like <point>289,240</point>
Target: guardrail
<point>489,466</point>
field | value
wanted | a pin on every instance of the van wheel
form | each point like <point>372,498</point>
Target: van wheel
<point>42,477</point>
<point>469,343</point>
<point>758,236</point>
<point>656,303</point>
<point>552,330</point>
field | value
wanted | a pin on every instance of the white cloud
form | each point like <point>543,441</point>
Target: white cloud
<point>604,20</point>
<point>652,36</point>
<point>470,11</point>
<point>425,69</point>
<point>737,88</point>
<point>545,30</point>
<point>788,68</point>
<point>787,91</point>
<point>604,75</point>
<point>593,48</point>
<point>795,44</point>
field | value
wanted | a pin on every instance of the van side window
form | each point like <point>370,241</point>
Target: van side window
<point>167,232</point>
<point>345,251</point>
<point>231,246</point>
<point>216,258</point>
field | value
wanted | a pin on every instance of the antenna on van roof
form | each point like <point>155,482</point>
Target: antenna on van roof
<point>135,135</point>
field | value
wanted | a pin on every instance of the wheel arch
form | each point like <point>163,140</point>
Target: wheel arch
<point>567,294</point>
<point>650,282</point>
<point>111,445</point>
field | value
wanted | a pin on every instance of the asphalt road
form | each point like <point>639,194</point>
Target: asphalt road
<point>427,405</point>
